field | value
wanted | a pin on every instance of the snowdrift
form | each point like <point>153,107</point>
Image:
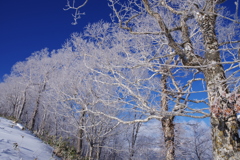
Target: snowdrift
<point>19,144</point>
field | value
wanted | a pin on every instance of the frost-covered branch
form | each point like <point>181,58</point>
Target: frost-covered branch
<point>77,14</point>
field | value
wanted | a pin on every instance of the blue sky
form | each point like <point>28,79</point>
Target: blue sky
<point>27,26</point>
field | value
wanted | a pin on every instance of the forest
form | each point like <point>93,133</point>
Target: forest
<point>162,81</point>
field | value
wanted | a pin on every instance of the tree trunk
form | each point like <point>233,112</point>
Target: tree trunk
<point>56,124</point>
<point>98,151</point>
<point>225,137</point>
<point>35,112</point>
<point>42,129</point>
<point>167,122</point>
<point>223,119</point>
<point>135,131</point>
<point>101,143</point>
<point>33,119</point>
<point>81,134</point>
<point>90,151</point>
<point>23,106</point>
<point>168,130</point>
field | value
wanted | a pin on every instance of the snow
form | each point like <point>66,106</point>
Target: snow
<point>18,144</point>
<point>20,126</point>
<point>238,117</point>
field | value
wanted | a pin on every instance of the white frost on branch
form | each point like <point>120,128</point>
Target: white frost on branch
<point>77,14</point>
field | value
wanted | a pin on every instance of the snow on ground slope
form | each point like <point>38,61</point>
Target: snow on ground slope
<point>17,144</point>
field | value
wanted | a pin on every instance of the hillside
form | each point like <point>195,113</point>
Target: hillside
<point>17,144</point>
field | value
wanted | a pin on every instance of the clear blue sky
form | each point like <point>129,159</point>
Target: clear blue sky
<point>27,26</point>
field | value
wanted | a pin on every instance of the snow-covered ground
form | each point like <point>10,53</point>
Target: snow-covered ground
<point>17,144</point>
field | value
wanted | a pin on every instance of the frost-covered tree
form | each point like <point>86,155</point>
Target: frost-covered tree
<point>123,63</point>
<point>203,39</point>
<point>193,140</point>
<point>13,96</point>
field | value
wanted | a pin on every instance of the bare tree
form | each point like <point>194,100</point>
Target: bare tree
<point>193,32</point>
<point>132,136</point>
<point>17,86</point>
<point>193,140</point>
<point>223,116</point>
<point>39,78</point>
<point>167,121</point>
<point>141,87</point>
<point>73,6</point>
<point>13,97</point>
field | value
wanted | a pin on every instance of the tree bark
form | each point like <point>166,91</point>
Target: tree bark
<point>167,122</point>
<point>168,130</point>
<point>225,137</point>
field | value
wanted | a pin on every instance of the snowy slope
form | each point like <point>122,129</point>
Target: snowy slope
<point>17,144</point>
